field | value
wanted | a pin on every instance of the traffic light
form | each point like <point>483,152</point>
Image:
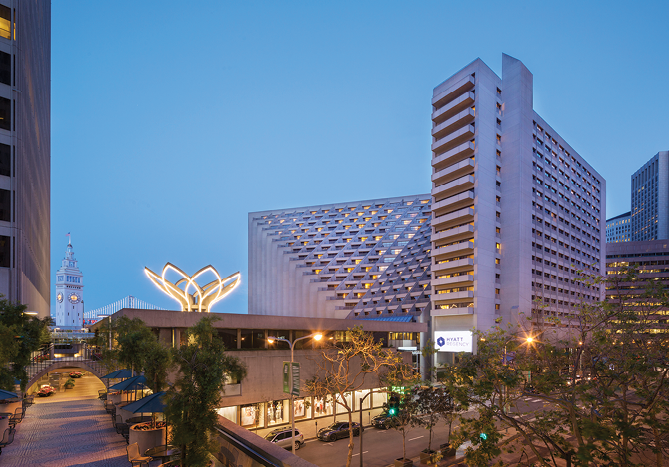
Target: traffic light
<point>393,404</point>
<point>483,436</point>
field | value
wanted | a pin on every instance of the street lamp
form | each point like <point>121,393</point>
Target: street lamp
<point>270,339</point>
<point>107,316</point>
<point>362,399</point>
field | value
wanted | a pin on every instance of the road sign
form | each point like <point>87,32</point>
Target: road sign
<point>286,377</point>
<point>296,379</point>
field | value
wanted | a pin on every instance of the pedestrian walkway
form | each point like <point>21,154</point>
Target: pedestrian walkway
<point>70,428</point>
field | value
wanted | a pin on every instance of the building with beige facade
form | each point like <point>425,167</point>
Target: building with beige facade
<point>516,211</point>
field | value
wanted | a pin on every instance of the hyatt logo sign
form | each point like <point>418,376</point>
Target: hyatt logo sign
<point>453,341</point>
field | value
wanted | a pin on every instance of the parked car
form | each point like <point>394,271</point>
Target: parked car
<point>382,421</point>
<point>338,430</point>
<point>282,437</point>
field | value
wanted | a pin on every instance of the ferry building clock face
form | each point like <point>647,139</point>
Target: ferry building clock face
<point>59,297</point>
<point>74,298</point>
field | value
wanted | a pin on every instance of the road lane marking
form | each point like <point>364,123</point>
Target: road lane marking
<point>364,452</point>
<point>417,438</point>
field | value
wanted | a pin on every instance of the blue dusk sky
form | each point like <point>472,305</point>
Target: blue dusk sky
<point>171,121</point>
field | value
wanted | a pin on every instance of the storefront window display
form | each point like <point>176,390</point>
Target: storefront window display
<point>349,402</point>
<point>252,415</point>
<point>379,398</point>
<point>301,410</point>
<point>322,406</point>
<point>366,404</point>
<point>228,412</point>
<point>277,412</point>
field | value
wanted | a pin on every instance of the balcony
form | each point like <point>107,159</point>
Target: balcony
<point>458,233</point>
<point>451,188</point>
<point>456,105</point>
<point>458,281</point>
<point>453,297</point>
<point>452,219</point>
<point>448,95</point>
<point>456,121</point>
<point>461,265</point>
<point>452,311</point>
<point>451,203</point>
<point>456,154</point>
<point>458,249</point>
<point>453,172</point>
<point>452,140</point>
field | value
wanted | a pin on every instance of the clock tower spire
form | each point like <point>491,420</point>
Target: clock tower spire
<point>69,291</point>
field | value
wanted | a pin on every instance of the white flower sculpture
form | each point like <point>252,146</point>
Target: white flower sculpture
<point>202,298</point>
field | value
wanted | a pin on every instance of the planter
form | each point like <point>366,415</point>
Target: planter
<point>125,414</point>
<point>427,457</point>
<point>69,386</point>
<point>146,439</point>
<point>403,463</point>
<point>114,397</point>
<point>447,450</point>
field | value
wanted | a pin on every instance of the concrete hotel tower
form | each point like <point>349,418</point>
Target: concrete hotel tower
<point>515,210</point>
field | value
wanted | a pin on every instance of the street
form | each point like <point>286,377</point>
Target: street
<point>382,447</point>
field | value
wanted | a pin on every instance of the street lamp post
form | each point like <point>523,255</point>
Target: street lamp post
<point>362,399</point>
<point>270,339</point>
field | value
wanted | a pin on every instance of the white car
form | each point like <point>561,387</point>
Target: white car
<point>282,437</point>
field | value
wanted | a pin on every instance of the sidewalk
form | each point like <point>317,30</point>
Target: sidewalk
<point>70,428</point>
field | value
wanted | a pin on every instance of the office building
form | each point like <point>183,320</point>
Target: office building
<point>651,259</point>
<point>619,228</point>
<point>516,211</point>
<point>650,199</point>
<point>25,152</point>
<point>366,259</point>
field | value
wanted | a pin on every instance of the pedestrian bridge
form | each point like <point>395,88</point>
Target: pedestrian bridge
<point>63,356</point>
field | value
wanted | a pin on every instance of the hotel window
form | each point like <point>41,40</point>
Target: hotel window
<point>4,251</point>
<point>5,22</point>
<point>5,114</point>
<point>5,68</point>
<point>5,205</point>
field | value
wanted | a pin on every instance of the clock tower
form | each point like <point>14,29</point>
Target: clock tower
<point>69,292</point>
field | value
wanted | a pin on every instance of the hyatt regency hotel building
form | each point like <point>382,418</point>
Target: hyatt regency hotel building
<point>514,213</point>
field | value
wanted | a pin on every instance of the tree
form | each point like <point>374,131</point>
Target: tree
<point>20,335</point>
<point>604,383</point>
<point>407,416</point>
<point>433,403</point>
<point>347,367</point>
<point>191,403</point>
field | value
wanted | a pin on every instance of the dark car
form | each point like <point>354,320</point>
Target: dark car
<point>337,430</point>
<point>382,421</point>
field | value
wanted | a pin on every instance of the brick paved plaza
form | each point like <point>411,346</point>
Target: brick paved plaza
<point>70,428</point>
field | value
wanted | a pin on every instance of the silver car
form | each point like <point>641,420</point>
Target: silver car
<point>282,437</point>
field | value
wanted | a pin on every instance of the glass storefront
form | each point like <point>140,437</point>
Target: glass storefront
<point>271,413</point>
<point>322,406</point>
<point>277,412</point>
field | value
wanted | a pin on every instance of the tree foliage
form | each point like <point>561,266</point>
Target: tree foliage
<point>603,382</point>
<point>20,335</point>
<point>203,367</point>
<point>348,366</point>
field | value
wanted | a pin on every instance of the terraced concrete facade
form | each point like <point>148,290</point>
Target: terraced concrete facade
<point>516,212</point>
<point>364,259</point>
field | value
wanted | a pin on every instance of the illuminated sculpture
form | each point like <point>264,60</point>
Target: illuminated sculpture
<point>202,298</point>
